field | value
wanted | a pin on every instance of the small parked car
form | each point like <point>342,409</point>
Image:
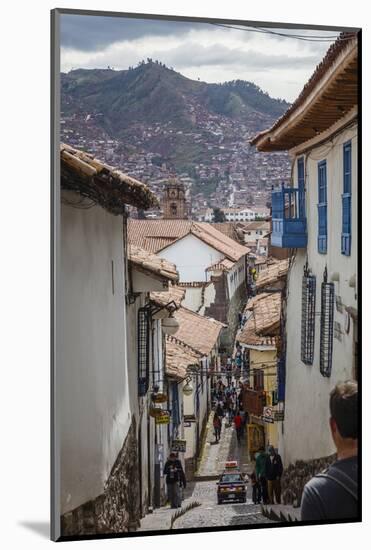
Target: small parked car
<point>231,485</point>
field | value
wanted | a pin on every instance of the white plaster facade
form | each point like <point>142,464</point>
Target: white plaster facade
<point>307,391</point>
<point>93,405</point>
<point>198,298</point>
<point>191,256</point>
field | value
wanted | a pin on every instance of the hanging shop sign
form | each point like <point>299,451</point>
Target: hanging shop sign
<point>179,446</point>
<point>279,416</point>
<point>162,418</point>
<point>267,415</point>
<point>155,411</point>
<point>159,397</point>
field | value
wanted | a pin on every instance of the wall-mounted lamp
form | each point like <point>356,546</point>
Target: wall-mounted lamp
<point>170,326</point>
<point>352,281</point>
<point>188,387</point>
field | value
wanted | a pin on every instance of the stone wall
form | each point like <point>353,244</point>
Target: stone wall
<point>227,311</point>
<point>117,510</point>
<point>298,474</point>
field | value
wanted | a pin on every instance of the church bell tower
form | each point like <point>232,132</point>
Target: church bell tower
<point>174,201</point>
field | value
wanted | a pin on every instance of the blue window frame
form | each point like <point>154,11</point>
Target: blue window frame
<point>346,232</point>
<point>175,404</point>
<point>301,186</point>
<point>322,207</point>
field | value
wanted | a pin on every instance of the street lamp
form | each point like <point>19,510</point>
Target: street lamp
<point>188,387</point>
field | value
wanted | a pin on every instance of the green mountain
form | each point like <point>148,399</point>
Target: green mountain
<point>153,93</point>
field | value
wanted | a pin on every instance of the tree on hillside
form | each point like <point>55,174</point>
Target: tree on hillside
<point>219,215</point>
<point>141,214</point>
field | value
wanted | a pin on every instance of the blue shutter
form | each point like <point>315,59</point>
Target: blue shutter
<point>301,186</point>
<point>347,200</point>
<point>322,207</point>
<point>175,404</point>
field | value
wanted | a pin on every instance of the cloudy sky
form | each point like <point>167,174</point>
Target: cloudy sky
<point>280,65</point>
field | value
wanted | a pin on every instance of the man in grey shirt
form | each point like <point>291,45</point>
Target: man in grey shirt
<point>333,494</point>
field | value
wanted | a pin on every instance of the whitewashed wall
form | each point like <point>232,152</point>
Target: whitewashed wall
<point>191,256</point>
<point>93,407</point>
<point>236,277</point>
<point>194,301</point>
<point>306,430</point>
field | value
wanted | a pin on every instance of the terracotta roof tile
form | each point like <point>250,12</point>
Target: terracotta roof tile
<point>155,235</point>
<point>346,44</point>
<point>263,326</point>
<point>174,294</point>
<point>103,184</point>
<point>152,263</point>
<point>272,273</point>
<point>223,265</point>
<point>208,234</point>
<point>201,333</point>
<point>178,356</point>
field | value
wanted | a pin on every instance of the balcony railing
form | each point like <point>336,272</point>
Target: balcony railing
<point>289,224</point>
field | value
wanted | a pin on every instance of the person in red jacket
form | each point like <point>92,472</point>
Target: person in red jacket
<point>238,425</point>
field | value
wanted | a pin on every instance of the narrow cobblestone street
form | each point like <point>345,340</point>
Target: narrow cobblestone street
<point>204,491</point>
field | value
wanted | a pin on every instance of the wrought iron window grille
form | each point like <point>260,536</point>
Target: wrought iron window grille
<point>144,322</point>
<point>308,313</point>
<point>327,326</point>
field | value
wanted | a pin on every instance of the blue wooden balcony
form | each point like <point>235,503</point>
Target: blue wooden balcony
<point>289,224</point>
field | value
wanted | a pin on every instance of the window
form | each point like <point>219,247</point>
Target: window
<point>346,199</point>
<point>327,327</point>
<point>301,186</point>
<point>175,414</point>
<point>322,207</point>
<point>308,311</point>
<point>143,350</point>
<point>259,380</point>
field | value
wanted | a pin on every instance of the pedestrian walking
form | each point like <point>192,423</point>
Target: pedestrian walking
<point>217,427</point>
<point>238,425</point>
<point>274,470</point>
<point>256,492</point>
<point>175,480</point>
<point>219,411</point>
<point>260,468</point>
<point>333,494</point>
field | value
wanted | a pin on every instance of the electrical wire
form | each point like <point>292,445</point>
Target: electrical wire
<point>306,38</point>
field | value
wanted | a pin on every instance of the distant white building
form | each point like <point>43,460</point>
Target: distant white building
<point>237,214</point>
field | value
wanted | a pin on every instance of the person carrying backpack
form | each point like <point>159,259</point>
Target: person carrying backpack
<point>333,494</point>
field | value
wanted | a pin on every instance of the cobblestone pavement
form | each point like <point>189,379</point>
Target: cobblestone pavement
<point>211,514</point>
<point>215,455</point>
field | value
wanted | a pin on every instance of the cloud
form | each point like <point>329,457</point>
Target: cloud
<point>91,33</point>
<point>194,55</point>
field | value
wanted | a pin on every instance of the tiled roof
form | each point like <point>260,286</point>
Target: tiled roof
<point>252,226</point>
<point>230,229</point>
<point>335,78</point>
<point>146,261</point>
<point>272,273</point>
<point>155,235</point>
<point>174,294</point>
<point>208,234</point>
<point>178,356</point>
<point>263,326</point>
<point>223,265</point>
<point>103,184</point>
<point>201,333</point>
